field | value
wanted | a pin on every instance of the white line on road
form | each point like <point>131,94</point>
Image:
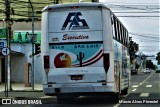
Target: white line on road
<point>144,95</point>
<point>134,89</point>
<point>46,97</point>
<point>118,104</point>
<point>146,79</point>
<point>148,85</point>
<point>135,86</point>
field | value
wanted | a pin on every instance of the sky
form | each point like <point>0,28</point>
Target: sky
<point>142,19</point>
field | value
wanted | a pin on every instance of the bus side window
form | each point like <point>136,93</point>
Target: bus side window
<point>125,39</point>
<point>124,36</point>
<point>119,32</point>
<point>113,27</point>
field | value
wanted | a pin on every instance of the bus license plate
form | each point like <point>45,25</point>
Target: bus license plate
<point>76,77</point>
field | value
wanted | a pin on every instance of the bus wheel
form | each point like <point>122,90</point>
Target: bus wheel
<point>60,100</point>
<point>125,91</point>
<point>65,100</point>
<point>116,97</point>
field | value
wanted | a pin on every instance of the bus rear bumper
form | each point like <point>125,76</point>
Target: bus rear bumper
<point>74,88</point>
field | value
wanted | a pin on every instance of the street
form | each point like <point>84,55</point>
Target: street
<point>144,91</point>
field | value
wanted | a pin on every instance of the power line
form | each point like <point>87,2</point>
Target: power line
<point>139,34</point>
<point>135,7</point>
<point>15,1</point>
<point>132,4</point>
<point>147,40</point>
<point>149,46</point>
<point>138,12</point>
<point>137,16</point>
<point>146,18</point>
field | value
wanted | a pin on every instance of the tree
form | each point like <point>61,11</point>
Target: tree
<point>149,64</point>
<point>158,58</point>
<point>133,48</point>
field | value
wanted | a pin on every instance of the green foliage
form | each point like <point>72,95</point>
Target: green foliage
<point>137,65</point>
<point>133,48</point>
<point>150,65</point>
<point>158,58</point>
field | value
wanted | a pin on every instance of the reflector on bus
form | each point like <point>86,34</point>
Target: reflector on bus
<point>46,62</point>
<point>106,61</point>
<point>74,7</point>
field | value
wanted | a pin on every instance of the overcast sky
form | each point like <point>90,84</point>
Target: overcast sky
<point>144,30</point>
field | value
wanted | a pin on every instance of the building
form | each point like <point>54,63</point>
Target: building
<point>21,53</point>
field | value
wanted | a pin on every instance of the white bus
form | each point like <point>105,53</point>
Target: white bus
<point>84,50</point>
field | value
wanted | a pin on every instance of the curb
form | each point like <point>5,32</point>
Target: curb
<point>24,91</point>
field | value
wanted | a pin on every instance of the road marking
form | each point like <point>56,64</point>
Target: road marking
<point>134,89</point>
<point>148,85</point>
<point>144,95</point>
<point>82,97</point>
<point>135,86</point>
<point>46,97</point>
<point>146,79</point>
<point>118,104</point>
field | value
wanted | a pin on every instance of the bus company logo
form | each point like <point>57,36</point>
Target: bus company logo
<point>73,22</point>
<point>62,60</point>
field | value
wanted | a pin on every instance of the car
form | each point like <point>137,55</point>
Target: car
<point>147,70</point>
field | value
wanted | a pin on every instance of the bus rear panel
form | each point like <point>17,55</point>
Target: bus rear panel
<point>78,49</point>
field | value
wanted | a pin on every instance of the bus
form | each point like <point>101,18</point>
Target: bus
<point>84,49</point>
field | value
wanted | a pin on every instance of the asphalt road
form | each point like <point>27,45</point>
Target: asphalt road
<point>144,91</point>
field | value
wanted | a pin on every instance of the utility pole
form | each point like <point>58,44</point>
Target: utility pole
<point>8,61</point>
<point>32,80</point>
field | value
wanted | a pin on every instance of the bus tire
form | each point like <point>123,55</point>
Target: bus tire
<point>125,91</point>
<point>60,100</point>
<point>65,100</point>
<point>116,97</point>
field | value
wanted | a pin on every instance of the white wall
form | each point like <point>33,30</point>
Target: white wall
<point>19,61</point>
<point>17,68</point>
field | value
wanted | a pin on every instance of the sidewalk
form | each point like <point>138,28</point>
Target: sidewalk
<point>21,87</point>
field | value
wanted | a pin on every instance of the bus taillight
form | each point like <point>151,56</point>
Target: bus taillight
<point>106,61</point>
<point>46,62</point>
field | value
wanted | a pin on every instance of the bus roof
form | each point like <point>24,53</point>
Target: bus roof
<point>74,4</point>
